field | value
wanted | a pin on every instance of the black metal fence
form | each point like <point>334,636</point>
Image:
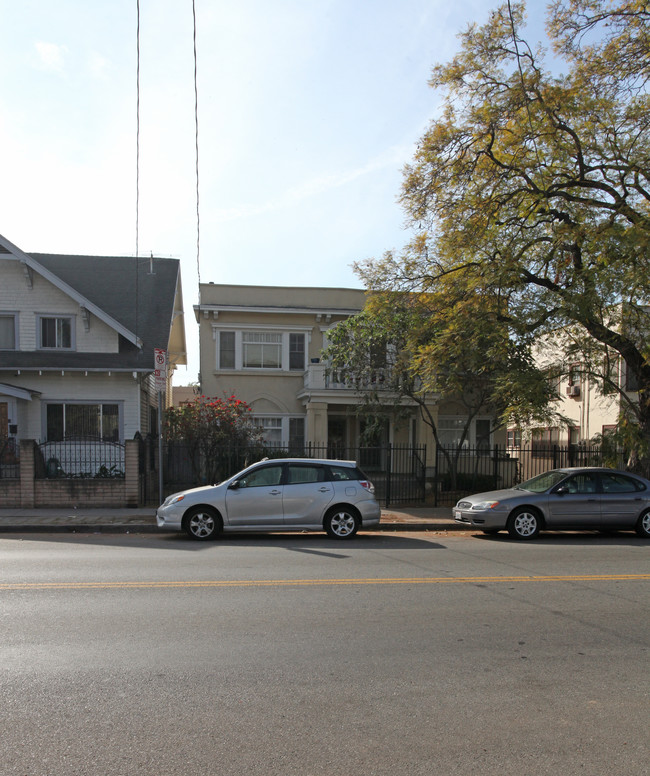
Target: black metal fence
<point>397,472</point>
<point>459,472</point>
<point>9,459</point>
<point>79,458</point>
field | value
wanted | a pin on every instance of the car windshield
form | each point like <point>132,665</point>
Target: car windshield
<point>542,482</point>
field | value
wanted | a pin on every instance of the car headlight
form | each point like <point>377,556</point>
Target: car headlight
<point>485,505</point>
<point>174,499</point>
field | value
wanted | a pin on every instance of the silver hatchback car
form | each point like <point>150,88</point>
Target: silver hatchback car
<point>282,494</point>
<point>573,499</point>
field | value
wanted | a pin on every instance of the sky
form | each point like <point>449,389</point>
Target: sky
<point>308,111</point>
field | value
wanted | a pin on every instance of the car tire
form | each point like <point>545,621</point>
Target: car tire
<point>202,523</point>
<point>341,523</point>
<point>643,526</point>
<point>524,524</point>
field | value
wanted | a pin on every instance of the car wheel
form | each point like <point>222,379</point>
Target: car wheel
<point>524,524</point>
<point>341,523</point>
<point>202,523</point>
<point>643,525</point>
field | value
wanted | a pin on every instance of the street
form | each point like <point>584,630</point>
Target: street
<point>416,653</point>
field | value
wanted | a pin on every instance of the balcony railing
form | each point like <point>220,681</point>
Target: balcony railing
<point>318,378</point>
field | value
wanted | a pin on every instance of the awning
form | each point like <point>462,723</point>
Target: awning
<point>18,393</point>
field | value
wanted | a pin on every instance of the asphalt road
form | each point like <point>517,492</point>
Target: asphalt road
<point>294,654</point>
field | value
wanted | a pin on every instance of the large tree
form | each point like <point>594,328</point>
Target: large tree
<point>412,350</point>
<point>532,186</point>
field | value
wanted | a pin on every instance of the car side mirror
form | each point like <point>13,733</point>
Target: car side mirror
<point>561,490</point>
<point>233,485</point>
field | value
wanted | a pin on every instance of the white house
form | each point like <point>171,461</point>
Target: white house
<point>77,342</point>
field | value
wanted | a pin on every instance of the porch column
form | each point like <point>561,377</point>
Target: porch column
<point>316,430</point>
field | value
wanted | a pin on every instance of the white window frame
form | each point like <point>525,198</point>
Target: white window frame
<point>281,423</point>
<point>40,317</point>
<point>284,332</point>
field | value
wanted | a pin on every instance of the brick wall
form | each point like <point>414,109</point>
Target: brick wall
<point>29,492</point>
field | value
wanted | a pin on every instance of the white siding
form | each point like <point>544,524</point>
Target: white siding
<point>118,388</point>
<point>45,298</point>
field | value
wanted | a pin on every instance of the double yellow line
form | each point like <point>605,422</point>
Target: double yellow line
<point>141,585</point>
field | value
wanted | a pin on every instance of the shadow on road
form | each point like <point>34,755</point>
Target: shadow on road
<point>315,543</point>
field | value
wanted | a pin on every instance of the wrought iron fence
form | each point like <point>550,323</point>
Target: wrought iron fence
<point>397,472</point>
<point>459,472</point>
<point>9,459</point>
<point>79,458</point>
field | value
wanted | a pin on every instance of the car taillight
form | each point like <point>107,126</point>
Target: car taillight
<point>367,485</point>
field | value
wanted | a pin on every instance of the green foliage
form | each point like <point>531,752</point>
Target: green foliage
<point>531,197</point>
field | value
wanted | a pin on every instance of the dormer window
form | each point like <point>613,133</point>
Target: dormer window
<point>56,332</point>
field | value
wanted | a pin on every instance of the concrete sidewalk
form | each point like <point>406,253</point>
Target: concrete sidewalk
<point>143,519</point>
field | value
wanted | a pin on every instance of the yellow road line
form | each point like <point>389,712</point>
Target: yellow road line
<point>322,582</point>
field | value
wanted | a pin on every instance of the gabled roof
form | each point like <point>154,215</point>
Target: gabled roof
<point>140,298</point>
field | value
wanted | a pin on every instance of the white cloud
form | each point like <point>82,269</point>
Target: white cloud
<point>50,56</point>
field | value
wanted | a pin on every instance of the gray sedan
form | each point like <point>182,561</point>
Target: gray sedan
<point>571,499</point>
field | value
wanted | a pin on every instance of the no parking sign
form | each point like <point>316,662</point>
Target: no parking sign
<point>160,368</point>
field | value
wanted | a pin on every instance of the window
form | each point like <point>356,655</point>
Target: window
<point>297,434</point>
<point>618,483</point>
<point>298,474</point>
<point>297,352</point>
<point>450,432</point>
<point>264,476</point>
<point>55,333</point>
<point>227,350</point>
<point>7,331</point>
<point>483,432</point>
<point>574,374</point>
<point>631,380</point>
<point>271,430</point>
<point>262,350</point>
<point>82,421</point>
<point>543,441</point>
<point>283,432</point>
<point>581,483</point>
<point>513,438</point>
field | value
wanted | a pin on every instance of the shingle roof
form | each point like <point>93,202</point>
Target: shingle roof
<point>138,293</point>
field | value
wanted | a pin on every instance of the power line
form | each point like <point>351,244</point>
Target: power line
<point>196,146</point>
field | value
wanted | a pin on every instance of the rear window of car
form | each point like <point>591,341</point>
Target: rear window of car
<point>340,473</point>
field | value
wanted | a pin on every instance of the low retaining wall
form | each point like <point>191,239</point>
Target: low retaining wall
<point>28,492</point>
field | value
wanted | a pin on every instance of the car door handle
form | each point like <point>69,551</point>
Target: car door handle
<point>324,490</point>
<point>275,492</point>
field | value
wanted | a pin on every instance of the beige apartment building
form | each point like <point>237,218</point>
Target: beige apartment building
<point>264,344</point>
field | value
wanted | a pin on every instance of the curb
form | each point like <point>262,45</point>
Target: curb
<point>131,528</point>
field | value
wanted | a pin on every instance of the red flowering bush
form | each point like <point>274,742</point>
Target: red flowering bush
<point>211,428</point>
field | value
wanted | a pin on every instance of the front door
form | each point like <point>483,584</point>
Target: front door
<point>257,498</point>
